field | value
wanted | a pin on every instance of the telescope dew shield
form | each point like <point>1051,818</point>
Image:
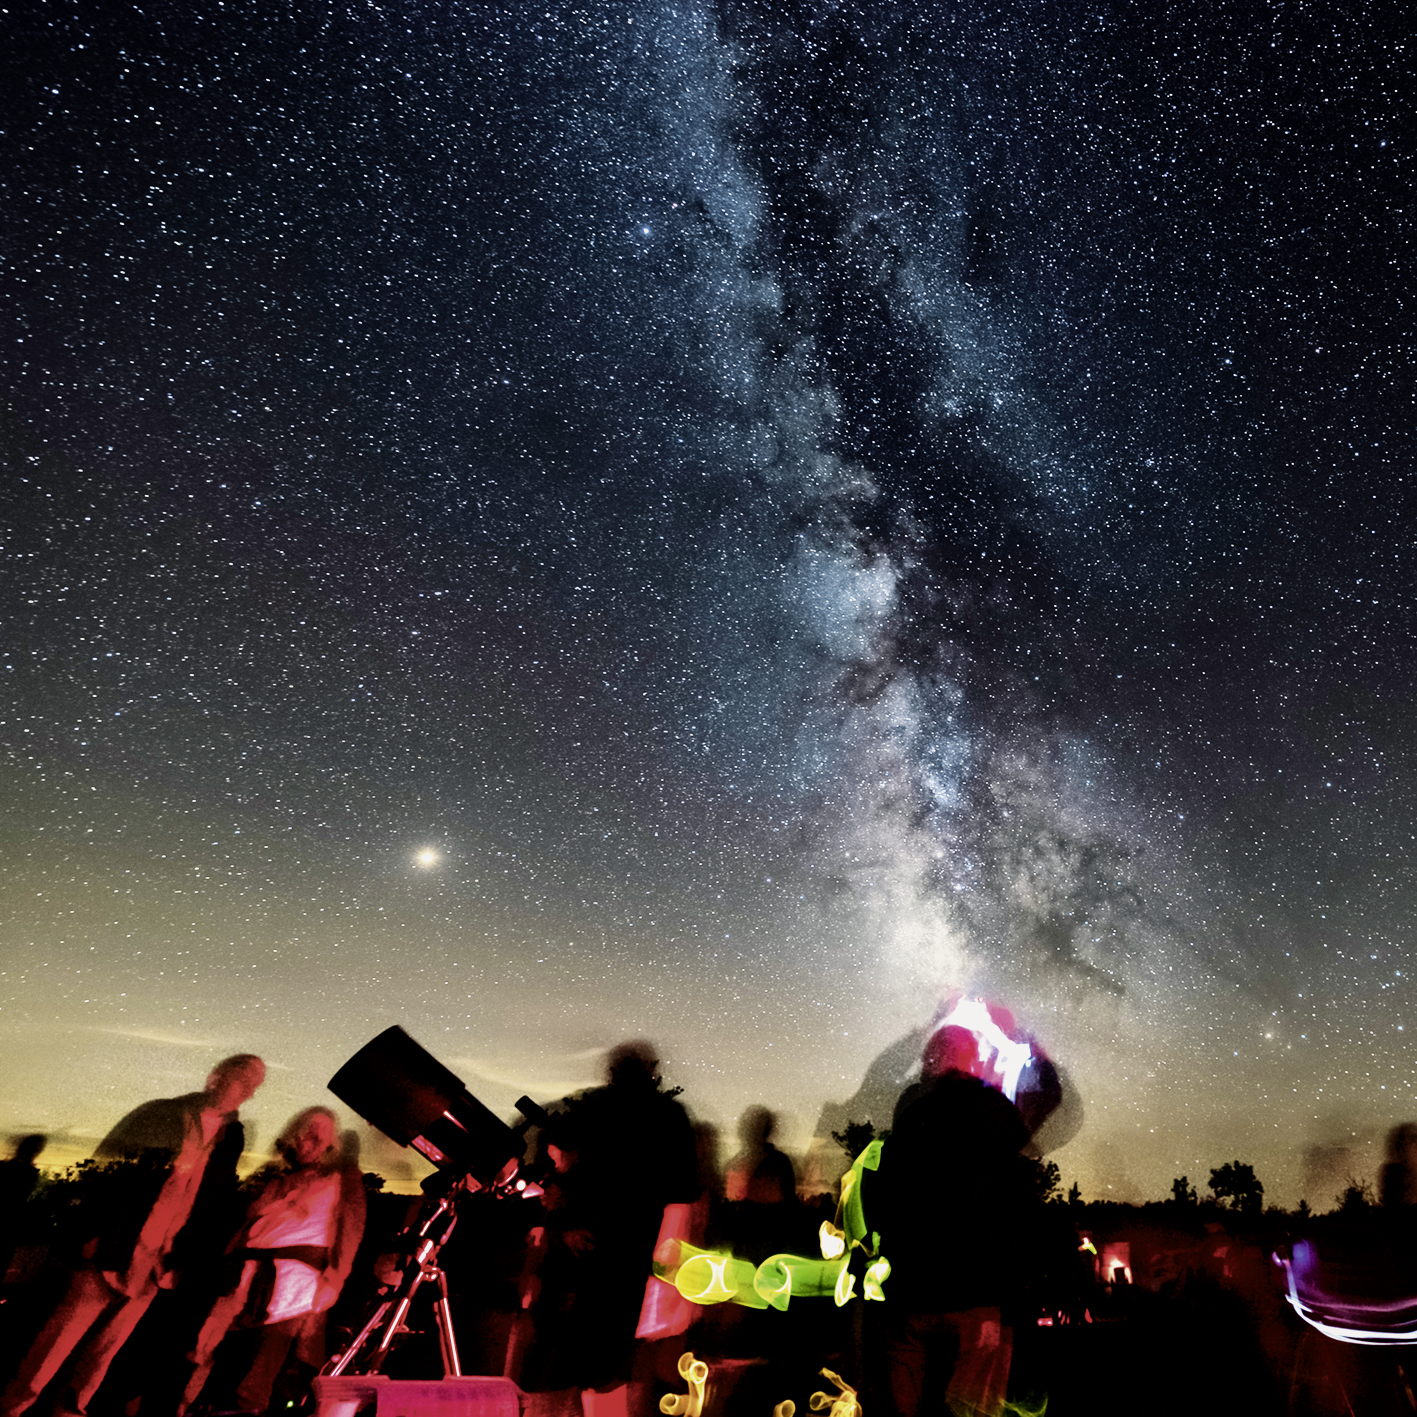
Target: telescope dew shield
<point>399,1087</point>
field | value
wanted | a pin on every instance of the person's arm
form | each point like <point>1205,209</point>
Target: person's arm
<point>350,1215</point>
<point>153,1126</point>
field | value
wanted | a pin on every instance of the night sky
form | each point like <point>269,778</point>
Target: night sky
<point>798,508</point>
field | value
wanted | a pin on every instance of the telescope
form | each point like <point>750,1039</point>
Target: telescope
<point>402,1090</point>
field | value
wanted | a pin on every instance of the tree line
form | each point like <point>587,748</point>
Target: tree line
<point>1233,1186</point>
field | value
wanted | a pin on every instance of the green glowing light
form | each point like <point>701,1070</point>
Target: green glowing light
<point>720,1277</point>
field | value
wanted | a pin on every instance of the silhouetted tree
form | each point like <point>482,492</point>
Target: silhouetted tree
<point>1236,1182</point>
<point>1183,1193</point>
<point>1044,1179</point>
<point>855,1137</point>
<point>1355,1197</point>
<point>1074,1195</point>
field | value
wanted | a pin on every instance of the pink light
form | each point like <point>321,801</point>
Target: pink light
<point>1000,1060</point>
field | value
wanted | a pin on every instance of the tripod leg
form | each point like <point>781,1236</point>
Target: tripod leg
<point>443,1311</point>
<point>390,1314</point>
<point>392,1329</point>
<point>421,1265</point>
<point>342,1360</point>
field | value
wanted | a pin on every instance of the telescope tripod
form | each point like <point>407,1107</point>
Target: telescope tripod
<point>365,1355</point>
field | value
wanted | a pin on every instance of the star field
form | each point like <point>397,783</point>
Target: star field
<point>719,522</point>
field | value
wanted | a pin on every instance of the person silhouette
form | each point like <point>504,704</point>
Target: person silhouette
<point>17,1178</point>
<point>290,1260</point>
<point>946,1200</point>
<point>760,1173</point>
<point>627,1151</point>
<point>177,1166</point>
<point>1399,1173</point>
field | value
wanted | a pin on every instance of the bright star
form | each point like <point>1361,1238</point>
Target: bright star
<point>427,857</point>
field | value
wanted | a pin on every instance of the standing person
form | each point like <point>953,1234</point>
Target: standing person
<point>629,1150</point>
<point>1399,1174</point>
<point>761,1188</point>
<point>948,1200</point>
<point>544,1356</point>
<point>179,1158</point>
<point>289,1261</point>
<point>17,1180</point>
<point>760,1173</point>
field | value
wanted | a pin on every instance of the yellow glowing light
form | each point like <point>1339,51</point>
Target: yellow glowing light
<point>841,1403</point>
<point>702,1279</point>
<point>427,857</point>
<point>695,1372</point>
<point>850,1216</point>
<point>876,1276</point>
<point>706,1277</point>
<point>720,1277</point>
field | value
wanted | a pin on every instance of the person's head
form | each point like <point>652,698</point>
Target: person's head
<point>633,1064</point>
<point>310,1138</point>
<point>349,1149</point>
<point>950,1050</point>
<point>29,1147</point>
<point>1402,1145</point>
<point>561,1139</point>
<point>756,1127</point>
<point>234,1081</point>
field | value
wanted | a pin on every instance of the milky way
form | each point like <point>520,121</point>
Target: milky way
<point>797,508</point>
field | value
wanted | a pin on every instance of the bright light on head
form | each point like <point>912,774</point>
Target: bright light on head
<point>427,857</point>
<point>1001,1059</point>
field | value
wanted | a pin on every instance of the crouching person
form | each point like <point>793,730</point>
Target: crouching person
<point>287,1265</point>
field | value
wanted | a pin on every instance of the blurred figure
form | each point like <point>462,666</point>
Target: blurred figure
<point>711,1183</point>
<point>623,1152</point>
<point>948,1200</point>
<point>182,1153</point>
<point>761,1188</point>
<point>289,1262</point>
<point>19,1173</point>
<point>17,1178</point>
<point>760,1173</point>
<point>1355,1270</point>
<point>544,1357</point>
<point>1399,1175</point>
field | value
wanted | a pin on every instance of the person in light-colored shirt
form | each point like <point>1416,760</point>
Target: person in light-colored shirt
<point>289,1262</point>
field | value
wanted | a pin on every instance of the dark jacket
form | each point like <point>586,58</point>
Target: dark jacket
<point>145,1145</point>
<point>949,1197</point>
